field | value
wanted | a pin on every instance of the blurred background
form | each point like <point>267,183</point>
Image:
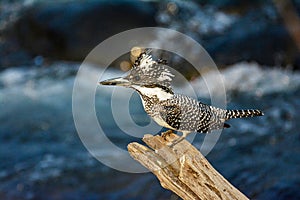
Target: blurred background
<point>42,44</point>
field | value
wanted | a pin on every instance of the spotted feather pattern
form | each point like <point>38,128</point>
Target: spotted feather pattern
<point>147,71</point>
<point>186,114</point>
<point>242,113</point>
<point>190,115</point>
<point>174,111</point>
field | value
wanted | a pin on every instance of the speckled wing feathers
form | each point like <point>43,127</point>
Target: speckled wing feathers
<point>172,115</point>
<point>186,114</point>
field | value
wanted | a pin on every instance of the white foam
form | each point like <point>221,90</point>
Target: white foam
<point>250,78</point>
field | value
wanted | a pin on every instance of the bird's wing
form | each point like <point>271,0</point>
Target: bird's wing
<point>186,114</point>
<point>171,114</point>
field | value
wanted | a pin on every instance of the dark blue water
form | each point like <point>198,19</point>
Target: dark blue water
<point>42,156</point>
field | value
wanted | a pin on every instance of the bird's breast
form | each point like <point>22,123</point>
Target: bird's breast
<point>152,107</point>
<point>160,121</point>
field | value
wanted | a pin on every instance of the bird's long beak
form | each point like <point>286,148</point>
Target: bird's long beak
<point>115,81</point>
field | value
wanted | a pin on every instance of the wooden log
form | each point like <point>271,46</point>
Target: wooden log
<point>182,169</point>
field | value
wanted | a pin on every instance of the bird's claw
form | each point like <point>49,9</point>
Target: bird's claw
<point>166,134</point>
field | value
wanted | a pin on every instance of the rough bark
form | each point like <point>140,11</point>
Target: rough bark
<point>182,169</point>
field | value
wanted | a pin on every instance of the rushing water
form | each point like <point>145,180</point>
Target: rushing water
<point>42,156</point>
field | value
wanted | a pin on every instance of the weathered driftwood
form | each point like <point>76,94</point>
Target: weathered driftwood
<point>182,169</point>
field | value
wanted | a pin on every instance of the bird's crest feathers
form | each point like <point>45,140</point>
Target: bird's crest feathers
<point>152,70</point>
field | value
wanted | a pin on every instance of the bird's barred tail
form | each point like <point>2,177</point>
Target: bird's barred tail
<point>242,113</point>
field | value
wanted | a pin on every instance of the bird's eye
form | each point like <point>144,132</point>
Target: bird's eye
<point>136,78</point>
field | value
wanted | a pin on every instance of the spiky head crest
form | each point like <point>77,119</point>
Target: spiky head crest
<point>149,72</point>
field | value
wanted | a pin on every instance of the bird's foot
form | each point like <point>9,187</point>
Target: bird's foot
<point>176,141</point>
<point>166,134</point>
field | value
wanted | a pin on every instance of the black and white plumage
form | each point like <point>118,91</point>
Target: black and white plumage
<point>152,80</point>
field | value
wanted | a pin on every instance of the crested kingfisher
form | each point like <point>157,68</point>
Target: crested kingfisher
<point>152,80</point>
